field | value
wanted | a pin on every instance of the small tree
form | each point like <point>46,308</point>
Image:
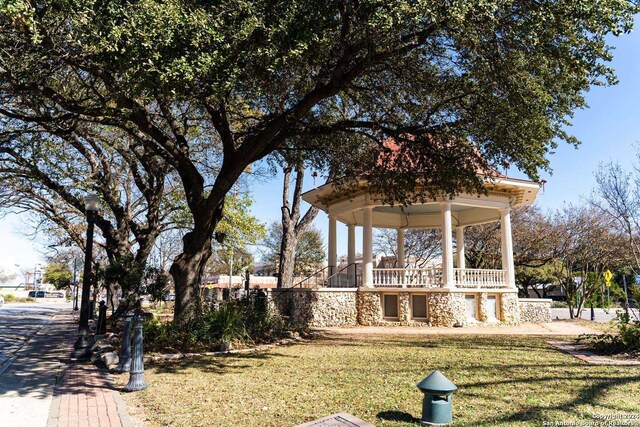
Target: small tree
<point>587,246</point>
<point>308,256</point>
<point>617,195</point>
<point>58,275</point>
<point>221,261</point>
<point>293,227</point>
<point>535,278</point>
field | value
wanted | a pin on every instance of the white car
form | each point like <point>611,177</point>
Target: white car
<point>1,300</point>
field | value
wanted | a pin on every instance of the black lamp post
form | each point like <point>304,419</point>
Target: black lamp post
<point>91,203</point>
<point>75,284</point>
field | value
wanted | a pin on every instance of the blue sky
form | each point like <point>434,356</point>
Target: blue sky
<point>609,130</point>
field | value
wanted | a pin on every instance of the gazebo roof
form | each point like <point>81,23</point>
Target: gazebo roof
<point>345,203</point>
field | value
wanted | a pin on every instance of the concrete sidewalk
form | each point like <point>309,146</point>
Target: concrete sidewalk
<point>27,384</point>
<point>557,328</point>
<point>85,397</point>
<point>42,387</point>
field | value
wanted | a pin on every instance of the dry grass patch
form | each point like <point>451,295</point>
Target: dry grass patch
<point>501,380</point>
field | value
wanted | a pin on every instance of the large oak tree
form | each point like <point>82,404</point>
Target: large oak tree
<point>463,85</point>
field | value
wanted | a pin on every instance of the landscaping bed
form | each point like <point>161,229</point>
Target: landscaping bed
<point>502,381</point>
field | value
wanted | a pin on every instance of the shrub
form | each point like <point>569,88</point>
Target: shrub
<point>13,298</point>
<point>239,322</point>
<point>627,339</point>
<point>227,323</point>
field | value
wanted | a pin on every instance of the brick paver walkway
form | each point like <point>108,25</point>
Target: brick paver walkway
<point>85,397</point>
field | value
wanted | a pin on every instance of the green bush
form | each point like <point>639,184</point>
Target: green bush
<point>559,304</point>
<point>13,298</point>
<point>227,323</point>
<point>239,322</point>
<point>627,339</point>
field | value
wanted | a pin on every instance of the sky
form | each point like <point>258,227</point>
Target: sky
<point>609,131</point>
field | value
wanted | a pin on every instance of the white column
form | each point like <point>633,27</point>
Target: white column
<point>333,253</point>
<point>351,252</point>
<point>367,247</point>
<point>447,245</point>
<point>507,246</point>
<point>400,247</point>
<point>460,246</point>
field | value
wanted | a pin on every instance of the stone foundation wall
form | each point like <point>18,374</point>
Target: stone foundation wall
<point>535,310</point>
<point>369,308</point>
<point>332,307</point>
<point>316,308</point>
<point>404,311</point>
<point>482,307</point>
<point>509,308</point>
<point>446,308</point>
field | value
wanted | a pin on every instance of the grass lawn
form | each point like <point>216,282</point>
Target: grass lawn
<point>501,381</point>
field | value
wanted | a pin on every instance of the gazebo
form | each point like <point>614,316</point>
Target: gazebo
<point>449,295</point>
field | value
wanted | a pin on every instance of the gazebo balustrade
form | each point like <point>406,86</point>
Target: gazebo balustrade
<point>468,278</point>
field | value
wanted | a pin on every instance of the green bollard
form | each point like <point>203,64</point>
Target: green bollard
<point>436,404</point>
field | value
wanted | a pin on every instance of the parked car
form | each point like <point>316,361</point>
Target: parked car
<point>37,294</point>
<point>1,300</point>
<point>170,297</point>
<point>54,294</point>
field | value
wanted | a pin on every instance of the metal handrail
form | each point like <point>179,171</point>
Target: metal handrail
<point>283,291</point>
<point>309,277</point>
<point>336,274</point>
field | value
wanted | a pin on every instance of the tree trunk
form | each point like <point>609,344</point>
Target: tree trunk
<point>292,226</point>
<point>187,270</point>
<point>287,257</point>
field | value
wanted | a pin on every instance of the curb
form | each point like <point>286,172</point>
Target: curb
<point>589,357</point>
<point>121,406</point>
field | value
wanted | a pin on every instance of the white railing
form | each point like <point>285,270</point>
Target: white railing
<point>407,277</point>
<point>479,278</point>
<point>432,278</point>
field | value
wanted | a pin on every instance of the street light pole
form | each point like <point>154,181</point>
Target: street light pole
<point>75,283</point>
<point>91,207</point>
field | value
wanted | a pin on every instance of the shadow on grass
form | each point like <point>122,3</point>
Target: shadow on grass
<point>592,394</point>
<point>223,364</point>
<point>398,416</point>
<point>467,342</point>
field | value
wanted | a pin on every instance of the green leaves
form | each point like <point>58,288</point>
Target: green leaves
<point>58,275</point>
<point>238,225</point>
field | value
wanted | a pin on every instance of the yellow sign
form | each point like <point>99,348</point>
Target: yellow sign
<point>608,275</point>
